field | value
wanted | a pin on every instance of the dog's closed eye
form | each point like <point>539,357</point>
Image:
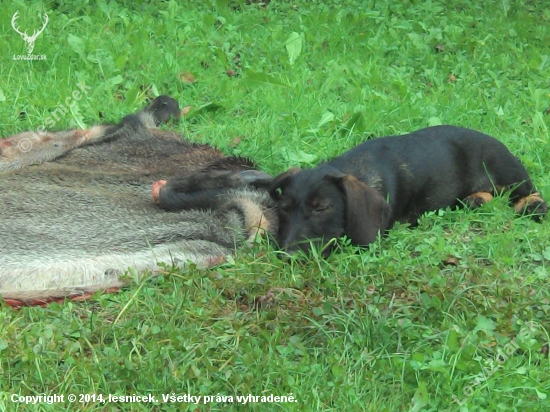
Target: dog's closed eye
<point>320,207</point>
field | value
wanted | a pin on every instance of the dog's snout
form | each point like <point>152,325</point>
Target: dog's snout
<point>289,245</point>
<point>292,235</point>
<point>294,248</point>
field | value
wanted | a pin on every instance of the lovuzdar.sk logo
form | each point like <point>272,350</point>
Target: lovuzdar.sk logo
<point>30,40</point>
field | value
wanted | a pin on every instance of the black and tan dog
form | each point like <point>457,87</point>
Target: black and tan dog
<point>397,178</point>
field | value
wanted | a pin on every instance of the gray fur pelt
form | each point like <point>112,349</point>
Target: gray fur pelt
<point>76,209</point>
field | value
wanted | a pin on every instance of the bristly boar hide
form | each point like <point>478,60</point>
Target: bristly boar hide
<point>76,209</point>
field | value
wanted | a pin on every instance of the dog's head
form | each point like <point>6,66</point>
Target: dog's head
<point>323,203</point>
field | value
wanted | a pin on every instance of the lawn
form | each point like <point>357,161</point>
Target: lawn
<point>450,316</point>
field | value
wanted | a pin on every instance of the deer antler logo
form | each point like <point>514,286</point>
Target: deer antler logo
<point>29,39</point>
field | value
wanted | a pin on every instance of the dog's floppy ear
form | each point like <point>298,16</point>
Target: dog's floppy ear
<point>280,182</point>
<point>367,212</point>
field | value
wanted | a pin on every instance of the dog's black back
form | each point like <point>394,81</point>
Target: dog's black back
<point>433,168</point>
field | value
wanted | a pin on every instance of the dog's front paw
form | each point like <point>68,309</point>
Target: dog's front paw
<point>477,199</point>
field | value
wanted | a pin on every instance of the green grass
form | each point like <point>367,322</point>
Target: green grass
<point>451,316</point>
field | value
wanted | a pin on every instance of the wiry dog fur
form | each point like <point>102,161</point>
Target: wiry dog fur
<point>397,178</point>
<point>76,208</point>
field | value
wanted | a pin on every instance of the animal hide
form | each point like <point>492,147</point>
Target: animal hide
<point>76,209</point>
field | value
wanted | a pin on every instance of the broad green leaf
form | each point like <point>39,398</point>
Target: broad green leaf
<point>77,44</point>
<point>290,381</point>
<point>77,116</point>
<point>208,107</point>
<point>222,56</point>
<point>155,90</point>
<point>326,118</point>
<point>120,61</point>
<point>434,121</point>
<point>263,78</point>
<point>538,121</point>
<point>545,60</point>
<point>337,371</point>
<point>300,156</point>
<point>355,122</point>
<point>420,398</point>
<point>540,97</point>
<point>485,324</point>
<point>209,20</point>
<point>105,8</point>
<point>113,81</point>
<point>437,365</point>
<point>318,311</point>
<point>452,340</point>
<point>132,94</point>
<point>327,307</point>
<point>293,46</point>
<point>540,394</point>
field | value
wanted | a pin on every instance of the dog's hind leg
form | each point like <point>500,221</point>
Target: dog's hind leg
<point>524,202</point>
<point>532,204</point>
<point>509,175</point>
